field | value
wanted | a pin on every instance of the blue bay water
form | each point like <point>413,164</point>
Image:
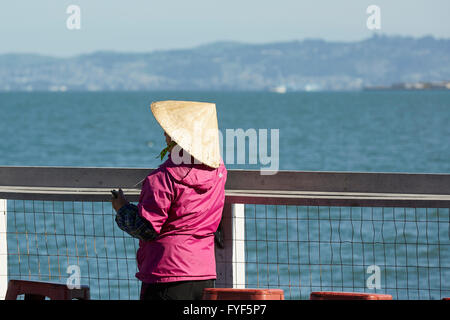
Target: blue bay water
<point>357,131</point>
<point>353,131</point>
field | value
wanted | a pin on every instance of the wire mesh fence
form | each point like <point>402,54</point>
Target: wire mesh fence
<point>404,252</point>
<point>47,238</point>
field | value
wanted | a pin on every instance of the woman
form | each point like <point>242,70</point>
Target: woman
<point>180,205</point>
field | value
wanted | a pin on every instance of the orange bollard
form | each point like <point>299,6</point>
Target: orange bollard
<point>242,294</point>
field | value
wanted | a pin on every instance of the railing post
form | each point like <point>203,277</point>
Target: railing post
<point>230,260</point>
<point>238,237</point>
<point>3,250</point>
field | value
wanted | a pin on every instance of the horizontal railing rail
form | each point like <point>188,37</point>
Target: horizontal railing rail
<point>243,186</point>
<point>367,182</point>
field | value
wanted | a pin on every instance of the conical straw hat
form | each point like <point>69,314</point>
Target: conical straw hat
<point>193,126</point>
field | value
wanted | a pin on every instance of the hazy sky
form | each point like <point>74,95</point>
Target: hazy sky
<point>146,25</point>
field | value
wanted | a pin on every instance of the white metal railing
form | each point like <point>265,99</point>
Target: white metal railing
<point>244,230</point>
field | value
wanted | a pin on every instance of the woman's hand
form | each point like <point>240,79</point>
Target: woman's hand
<point>119,200</point>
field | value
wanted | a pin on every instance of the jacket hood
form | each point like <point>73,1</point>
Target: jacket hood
<point>198,176</point>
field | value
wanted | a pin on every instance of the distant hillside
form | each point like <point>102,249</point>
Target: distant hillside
<point>296,65</point>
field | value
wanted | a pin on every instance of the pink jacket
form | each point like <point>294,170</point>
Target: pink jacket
<point>184,205</point>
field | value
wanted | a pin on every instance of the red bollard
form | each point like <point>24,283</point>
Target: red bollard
<point>328,295</point>
<point>242,294</point>
<point>36,290</point>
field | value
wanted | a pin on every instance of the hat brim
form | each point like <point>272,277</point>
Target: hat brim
<point>193,126</point>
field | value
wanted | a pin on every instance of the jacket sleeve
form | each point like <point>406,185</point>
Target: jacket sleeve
<point>128,220</point>
<point>156,199</point>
